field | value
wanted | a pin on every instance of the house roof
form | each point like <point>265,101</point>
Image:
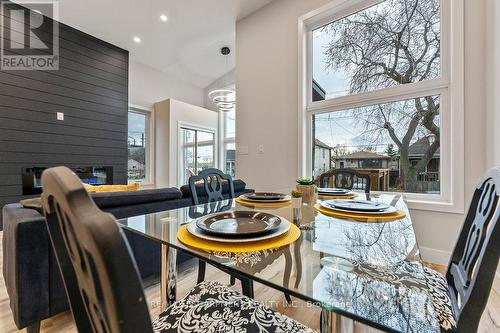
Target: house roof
<point>131,161</point>
<point>362,155</point>
<point>318,93</point>
<point>321,144</point>
<point>420,147</point>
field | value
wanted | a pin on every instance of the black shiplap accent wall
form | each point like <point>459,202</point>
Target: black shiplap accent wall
<point>90,87</point>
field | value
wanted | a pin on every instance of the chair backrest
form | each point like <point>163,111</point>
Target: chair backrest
<point>345,178</point>
<point>475,258</point>
<point>210,208</point>
<point>99,273</point>
<point>212,180</point>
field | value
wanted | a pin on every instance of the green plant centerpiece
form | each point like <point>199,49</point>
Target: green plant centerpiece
<point>296,199</point>
<point>307,188</point>
<point>305,181</point>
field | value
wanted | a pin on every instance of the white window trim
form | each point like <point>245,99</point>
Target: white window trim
<point>195,127</point>
<point>150,156</point>
<point>223,140</point>
<point>450,86</point>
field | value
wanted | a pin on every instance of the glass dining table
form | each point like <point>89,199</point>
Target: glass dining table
<point>369,272</point>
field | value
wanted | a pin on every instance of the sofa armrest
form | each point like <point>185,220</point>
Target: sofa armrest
<point>26,264</point>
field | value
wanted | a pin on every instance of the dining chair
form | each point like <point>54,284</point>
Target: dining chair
<point>102,281</point>
<point>212,180</point>
<point>344,178</point>
<point>213,184</point>
<point>212,208</point>
<point>460,296</point>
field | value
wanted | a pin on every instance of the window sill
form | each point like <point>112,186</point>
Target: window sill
<point>434,205</point>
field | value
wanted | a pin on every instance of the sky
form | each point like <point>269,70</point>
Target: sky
<point>336,127</point>
<point>335,83</point>
<point>136,125</point>
<point>339,128</point>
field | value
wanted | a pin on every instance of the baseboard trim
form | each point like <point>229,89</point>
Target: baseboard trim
<point>435,256</point>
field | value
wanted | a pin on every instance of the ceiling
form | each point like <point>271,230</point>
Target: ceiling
<point>186,47</point>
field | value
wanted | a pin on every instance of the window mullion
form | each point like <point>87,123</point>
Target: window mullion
<point>391,94</point>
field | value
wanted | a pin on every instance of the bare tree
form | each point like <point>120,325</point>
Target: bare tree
<point>339,150</point>
<point>393,43</point>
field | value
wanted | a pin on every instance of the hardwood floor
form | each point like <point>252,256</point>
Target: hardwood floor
<point>63,323</point>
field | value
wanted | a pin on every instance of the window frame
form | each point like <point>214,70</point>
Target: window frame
<point>225,140</point>
<point>450,87</point>
<point>150,150</point>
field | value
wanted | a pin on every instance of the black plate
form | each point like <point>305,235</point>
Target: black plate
<point>358,205</point>
<point>239,223</point>
<point>264,196</point>
<point>333,191</point>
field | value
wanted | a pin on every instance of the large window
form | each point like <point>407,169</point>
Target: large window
<point>139,146</point>
<point>380,95</point>
<point>372,140</point>
<point>197,152</point>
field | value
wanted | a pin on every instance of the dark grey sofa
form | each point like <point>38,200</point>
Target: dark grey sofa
<point>30,270</point>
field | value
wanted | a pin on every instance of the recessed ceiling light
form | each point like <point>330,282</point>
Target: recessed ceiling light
<point>137,39</point>
<point>163,17</point>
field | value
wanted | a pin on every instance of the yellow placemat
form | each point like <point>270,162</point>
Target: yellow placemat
<point>202,244</point>
<point>350,196</point>
<point>263,204</point>
<point>372,218</point>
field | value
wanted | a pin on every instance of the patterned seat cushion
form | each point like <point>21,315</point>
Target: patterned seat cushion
<point>211,307</point>
<point>441,299</point>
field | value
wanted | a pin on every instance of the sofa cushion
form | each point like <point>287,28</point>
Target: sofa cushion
<point>117,199</point>
<point>239,186</point>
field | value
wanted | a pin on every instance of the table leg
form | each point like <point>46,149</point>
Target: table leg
<point>168,277</point>
<point>334,323</point>
<point>287,273</point>
<point>298,261</point>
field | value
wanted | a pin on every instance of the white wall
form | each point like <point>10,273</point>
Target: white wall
<point>493,82</point>
<point>168,114</point>
<point>267,90</point>
<point>267,93</point>
<point>148,86</point>
<point>492,87</point>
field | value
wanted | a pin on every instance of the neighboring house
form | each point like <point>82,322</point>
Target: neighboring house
<point>322,157</point>
<point>362,160</point>
<point>318,93</point>
<point>415,153</point>
<point>134,165</point>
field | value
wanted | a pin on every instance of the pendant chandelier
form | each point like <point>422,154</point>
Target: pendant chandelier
<point>225,99</point>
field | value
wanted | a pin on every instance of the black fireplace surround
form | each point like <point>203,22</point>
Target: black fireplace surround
<point>90,175</point>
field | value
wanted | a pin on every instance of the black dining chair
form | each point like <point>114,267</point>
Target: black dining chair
<point>212,208</point>
<point>349,179</point>
<point>102,281</point>
<point>211,183</point>
<point>214,181</point>
<point>460,296</point>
